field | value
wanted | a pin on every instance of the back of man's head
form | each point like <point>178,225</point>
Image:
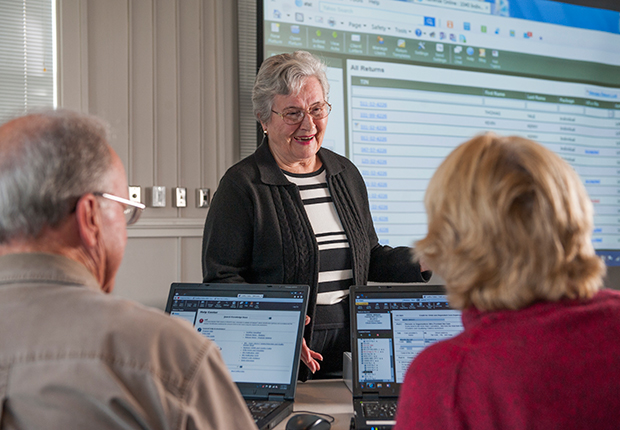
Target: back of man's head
<point>47,161</point>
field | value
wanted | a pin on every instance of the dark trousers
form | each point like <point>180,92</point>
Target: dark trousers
<point>331,343</point>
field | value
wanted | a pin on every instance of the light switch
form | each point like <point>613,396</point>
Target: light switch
<point>180,198</point>
<point>156,197</point>
<point>203,197</point>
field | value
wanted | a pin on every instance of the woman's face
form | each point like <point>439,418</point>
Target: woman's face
<point>296,145</point>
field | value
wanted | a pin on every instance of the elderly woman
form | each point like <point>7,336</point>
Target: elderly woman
<point>510,229</point>
<point>296,213</point>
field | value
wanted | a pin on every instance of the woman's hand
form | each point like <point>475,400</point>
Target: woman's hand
<point>423,266</point>
<point>308,356</point>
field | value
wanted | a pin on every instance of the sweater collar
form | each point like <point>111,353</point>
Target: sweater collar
<point>271,174</point>
<point>472,316</point>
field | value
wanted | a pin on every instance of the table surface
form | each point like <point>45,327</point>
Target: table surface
<point>328,396</point>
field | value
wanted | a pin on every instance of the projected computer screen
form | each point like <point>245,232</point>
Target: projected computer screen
<point>410,80</point>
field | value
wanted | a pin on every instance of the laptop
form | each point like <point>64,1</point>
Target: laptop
<point>390,325</point>
<point>259,330</point>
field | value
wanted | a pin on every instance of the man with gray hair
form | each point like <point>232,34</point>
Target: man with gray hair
<point>72,356</point>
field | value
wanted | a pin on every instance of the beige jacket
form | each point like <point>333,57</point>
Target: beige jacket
<point>72,357</point>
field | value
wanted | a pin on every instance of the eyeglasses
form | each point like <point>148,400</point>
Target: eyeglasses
<point>292,116</point>
<point>132,210</point>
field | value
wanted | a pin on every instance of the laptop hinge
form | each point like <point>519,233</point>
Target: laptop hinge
<point>276,397</point>
<point>370,396</point>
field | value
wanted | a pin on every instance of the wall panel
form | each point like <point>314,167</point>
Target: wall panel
<point>108,86</point>
<point>72,79</point>
<point>149,267</point>
<point>190,259</point>
<point>166,101</point>
<point>227,102</point>
<point>140,167</point>
<point>163,73</point>
<point>190,101</point>
<point>211,113</point>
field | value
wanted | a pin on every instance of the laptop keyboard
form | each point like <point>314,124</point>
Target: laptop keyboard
<point>260,408</point>
<point>379,409</point>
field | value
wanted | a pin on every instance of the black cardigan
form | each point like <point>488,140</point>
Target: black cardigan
<point>257,230</point>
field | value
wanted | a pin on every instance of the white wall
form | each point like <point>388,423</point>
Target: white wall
<point>163,74</point>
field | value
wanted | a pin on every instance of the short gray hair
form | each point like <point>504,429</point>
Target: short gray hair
<point>48,160</point>
<point>285,74</point>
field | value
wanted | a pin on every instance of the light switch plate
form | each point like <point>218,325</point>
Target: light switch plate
<point>135,193</point>
<point>203,197</point>
<point>179,199</point>
<point>156,197</point>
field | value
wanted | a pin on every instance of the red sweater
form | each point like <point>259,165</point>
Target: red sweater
<point>549,366</point>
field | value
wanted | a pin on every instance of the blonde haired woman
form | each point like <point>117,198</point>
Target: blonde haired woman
<point>510,232</point>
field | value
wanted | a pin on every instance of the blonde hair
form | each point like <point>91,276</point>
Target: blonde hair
<point>509,224</point>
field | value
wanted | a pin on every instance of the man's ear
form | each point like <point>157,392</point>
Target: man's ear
<point>88,219</point>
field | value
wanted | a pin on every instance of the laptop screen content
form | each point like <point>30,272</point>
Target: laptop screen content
<point>392,326</point>
<point>258,330</point>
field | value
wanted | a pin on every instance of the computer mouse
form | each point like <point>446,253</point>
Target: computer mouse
<point>307,422</point>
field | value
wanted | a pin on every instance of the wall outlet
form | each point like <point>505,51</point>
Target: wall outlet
<point>180,198</point>
<point>203,197</point>
<point>135,193</point>
<point>156,197</point>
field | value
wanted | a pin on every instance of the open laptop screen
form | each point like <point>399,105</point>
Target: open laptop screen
<point>257,327</point>
<point>391,325</point>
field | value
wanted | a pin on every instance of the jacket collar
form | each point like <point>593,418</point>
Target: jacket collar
<point>47,268</point>
<point>271,174</point>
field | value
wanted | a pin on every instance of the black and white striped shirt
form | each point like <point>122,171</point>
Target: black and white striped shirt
<point>335,265</point>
